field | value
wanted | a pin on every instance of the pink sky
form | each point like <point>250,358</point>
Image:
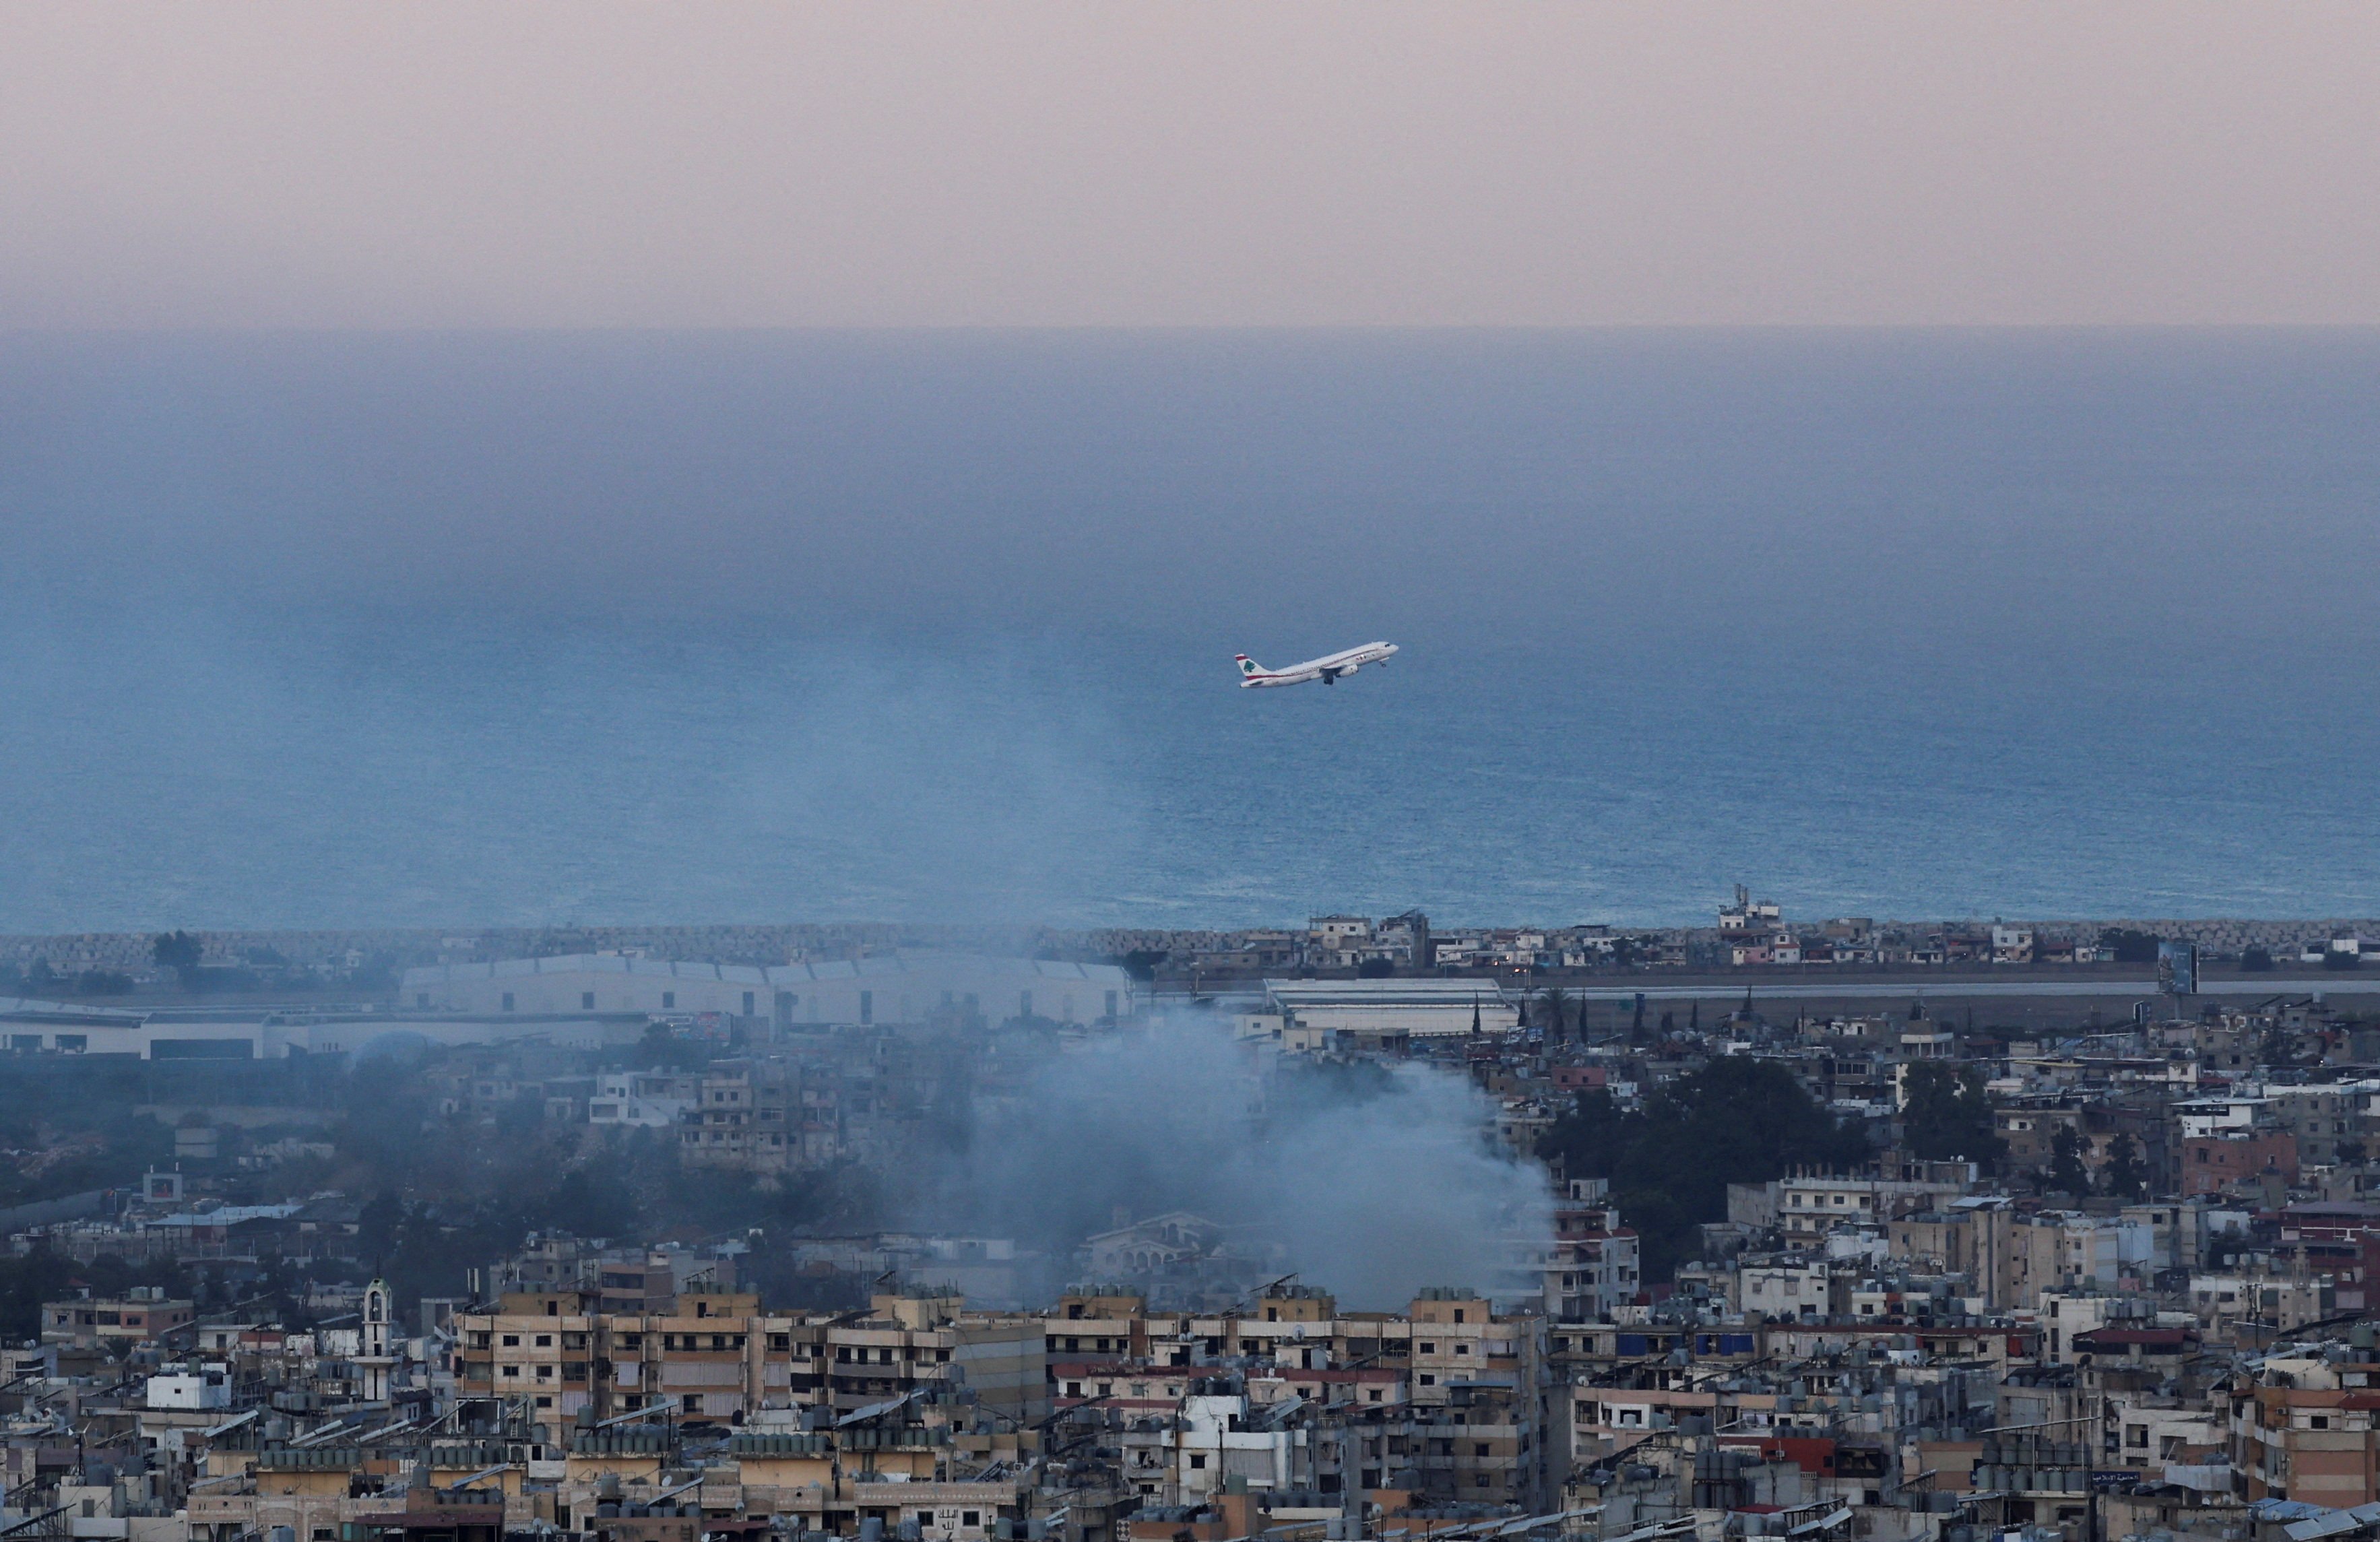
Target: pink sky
<point>1207,164</point>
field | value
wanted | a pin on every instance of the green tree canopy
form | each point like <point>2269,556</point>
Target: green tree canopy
<point>2130,946</point>
<point>180,952</point>
<point>1947,1116</point>
<point>1735,1121</point>
<point>2067,1173</point>
<point>2126,1177</point>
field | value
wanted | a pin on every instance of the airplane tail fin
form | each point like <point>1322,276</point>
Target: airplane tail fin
<point>1247,665</point>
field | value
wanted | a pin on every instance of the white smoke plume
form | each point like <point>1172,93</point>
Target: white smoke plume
<point>1373,1180</point>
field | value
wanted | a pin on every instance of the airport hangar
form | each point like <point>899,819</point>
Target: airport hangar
<point>582,1001</point>
<point>894,988</point>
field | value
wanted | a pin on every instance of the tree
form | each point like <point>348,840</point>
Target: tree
<point>377,1225</point>
<point>2126,1178</point>
<point>1735,1121</point>
<point>2343,958</point>
<point>25,1283</point>
<point>1947,1115</point>
<point>180,952</point>
<point>2255,961</point>
<point>2128,946</point>
<point>1141,962</point>
<point>2067,1174</point>
<point>660,1048</point>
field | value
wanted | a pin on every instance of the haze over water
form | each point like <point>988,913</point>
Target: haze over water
<point>449,630</point>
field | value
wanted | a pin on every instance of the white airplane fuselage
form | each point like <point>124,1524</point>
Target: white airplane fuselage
<point>1327,669</point>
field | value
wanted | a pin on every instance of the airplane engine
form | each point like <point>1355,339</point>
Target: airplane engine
<point>1347,669</point>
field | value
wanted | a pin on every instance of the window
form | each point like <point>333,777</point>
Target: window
<point>508,1000</point>
<point>1480,1449</point>
<point>1197,1461</point>
<point>866,1007</point>
<point>1458,1314</point>
<point>748,1003</point>
<point>587,1000</point>
<point>545,1341</point>
<point>669,1000</point>
<point>1462,1349</point>
<point>970,1518</point>
<point>512,1341</point>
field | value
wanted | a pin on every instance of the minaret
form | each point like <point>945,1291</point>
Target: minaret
<point>375,1359</point>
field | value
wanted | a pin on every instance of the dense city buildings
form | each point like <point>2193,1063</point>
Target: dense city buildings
<point>598,1244</point>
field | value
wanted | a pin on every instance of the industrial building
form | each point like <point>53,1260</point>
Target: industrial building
<point>895,987</point>
<point>1317,1014</point>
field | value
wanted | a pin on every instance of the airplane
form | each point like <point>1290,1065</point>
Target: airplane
<point>1327,669</point>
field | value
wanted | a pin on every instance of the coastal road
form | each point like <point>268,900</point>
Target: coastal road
<point>1938,990</point>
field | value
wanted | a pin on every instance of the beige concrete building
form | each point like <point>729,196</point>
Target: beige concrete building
<point>719,1358</point>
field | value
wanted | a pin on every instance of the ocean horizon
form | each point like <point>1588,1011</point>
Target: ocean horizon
<point>312,631</point>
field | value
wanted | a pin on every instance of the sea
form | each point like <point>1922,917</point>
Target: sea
<point>468,630</point>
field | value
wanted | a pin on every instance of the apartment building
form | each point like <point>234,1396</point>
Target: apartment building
<point>1451,1392</point>
<point>2313,1443</point>
<point>93,1322</point>
<point>1809,1207</point>
<point>2214,1164</point>
<point>744,1118</point>
<point>1594,1268</point>
<point>718,1357</point>
<point>2320,1118</point>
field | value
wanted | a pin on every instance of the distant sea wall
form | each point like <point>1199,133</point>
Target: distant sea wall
<point>69,953</point>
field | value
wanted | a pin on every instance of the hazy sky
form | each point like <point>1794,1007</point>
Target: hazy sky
<point>1201,163</point>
